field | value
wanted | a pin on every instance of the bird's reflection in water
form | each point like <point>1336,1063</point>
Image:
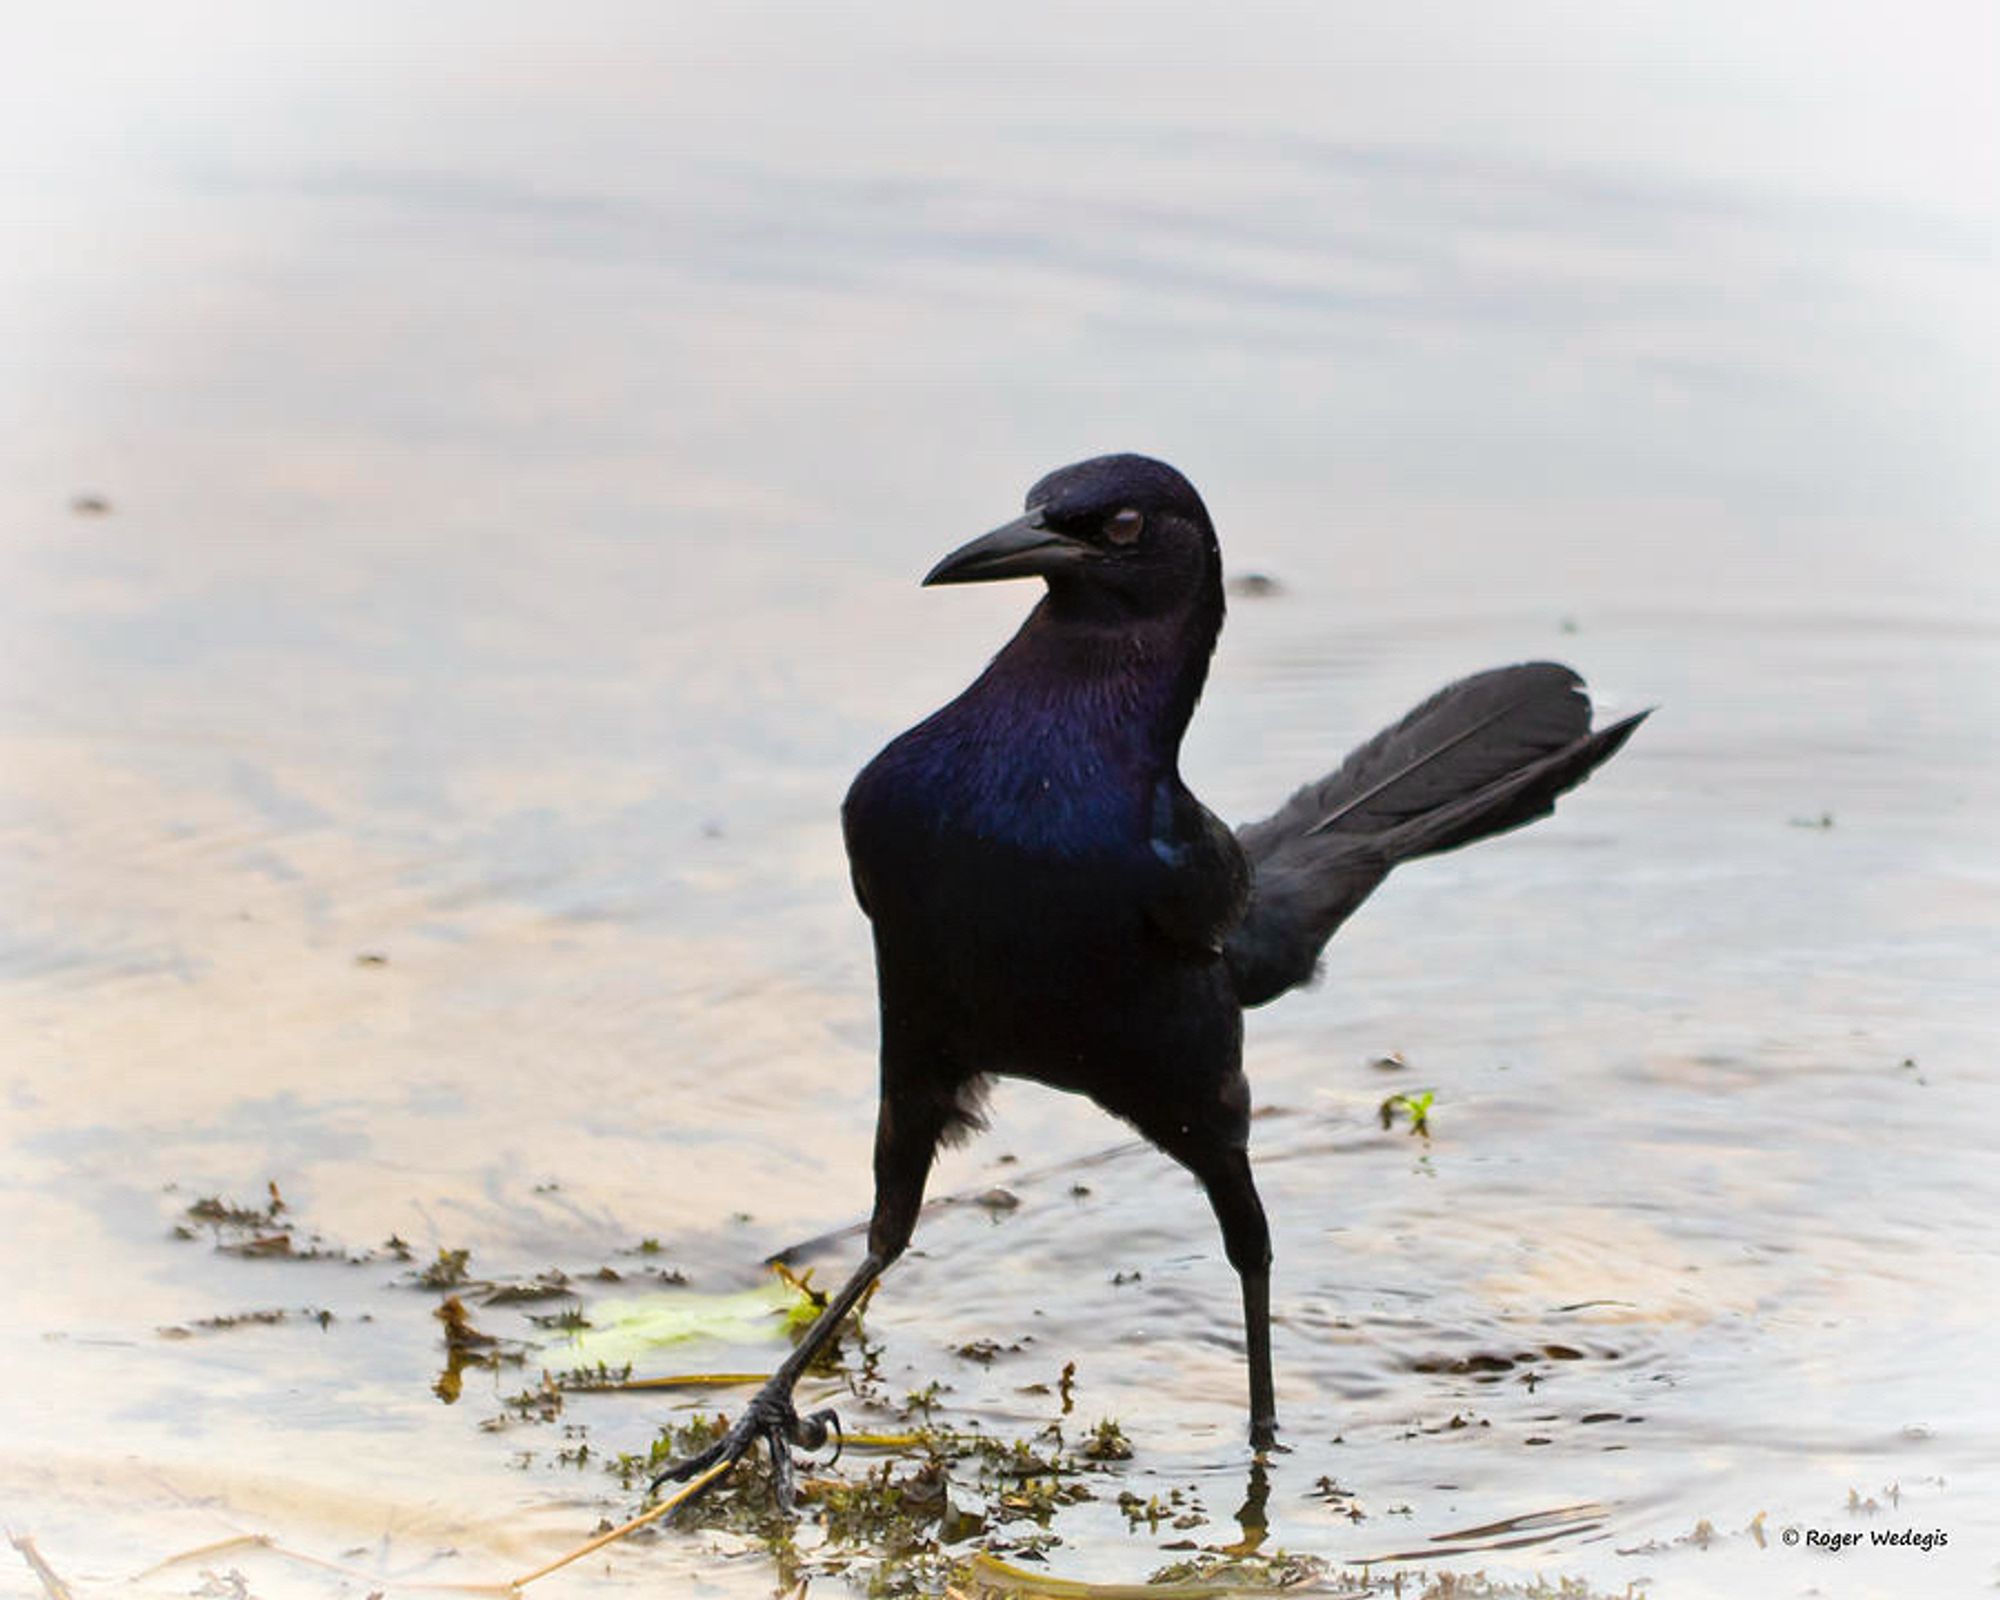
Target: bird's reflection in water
<point>1253,1515</point>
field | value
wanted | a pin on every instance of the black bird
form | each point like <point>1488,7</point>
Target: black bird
<point>1049,900</point>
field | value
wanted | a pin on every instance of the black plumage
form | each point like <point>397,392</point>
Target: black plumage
<point>1049,900</point>
<point>1480,757</point>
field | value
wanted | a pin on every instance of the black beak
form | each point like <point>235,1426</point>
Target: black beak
<point>1024,548</point>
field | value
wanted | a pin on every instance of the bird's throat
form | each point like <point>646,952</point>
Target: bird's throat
<point>1132,684</point>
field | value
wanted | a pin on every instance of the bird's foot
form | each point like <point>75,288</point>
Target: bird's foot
<point>770,1416</point>
<point>1264,1439</point>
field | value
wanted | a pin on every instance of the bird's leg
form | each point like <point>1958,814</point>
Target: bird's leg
<point>1257,1353</point>
<point>770,1416</point>
<point>906,1136</point>
<point>1246,1240</point>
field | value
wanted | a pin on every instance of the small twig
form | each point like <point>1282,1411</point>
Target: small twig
<point>263,1541</point>
<point>687,1491</point>
<point>51,1579</point>
<point>208,1552</point>
<point>888,1441</point>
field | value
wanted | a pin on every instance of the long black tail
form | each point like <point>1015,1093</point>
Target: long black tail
<point>1484,755</point>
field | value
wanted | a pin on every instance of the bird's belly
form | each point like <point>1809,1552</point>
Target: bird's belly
<point>1044,969</point>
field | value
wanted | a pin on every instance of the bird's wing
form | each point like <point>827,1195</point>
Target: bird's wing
<point>1197,879</point>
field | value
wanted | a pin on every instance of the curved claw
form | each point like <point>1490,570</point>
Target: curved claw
<point>810,1433</point>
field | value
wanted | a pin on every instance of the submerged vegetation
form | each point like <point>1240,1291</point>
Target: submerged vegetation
<point>921,1502</point>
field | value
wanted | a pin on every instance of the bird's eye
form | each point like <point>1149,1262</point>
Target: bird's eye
<point>1124,527</point>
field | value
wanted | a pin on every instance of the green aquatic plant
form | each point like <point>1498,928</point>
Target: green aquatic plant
<point>1107,1442</point>
<point>450,1270</point>
<point>1416,1106</point>
<point>906,1523</point>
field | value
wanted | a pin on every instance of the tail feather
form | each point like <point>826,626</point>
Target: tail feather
<point>1485,755</point>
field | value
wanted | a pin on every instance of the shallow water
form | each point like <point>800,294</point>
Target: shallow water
<point>519,460</point>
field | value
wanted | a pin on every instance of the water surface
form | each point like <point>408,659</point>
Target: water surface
<point>420,783</point>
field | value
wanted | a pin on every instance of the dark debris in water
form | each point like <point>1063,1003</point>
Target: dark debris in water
<point>451,1270</point>
<point>271,1232</point>
<point>1486,1367</point>
<point>268,1317</point>
<point>650,1249</point>
<point>906,1524</point>
<point>911,1522</point>
<point>550,1285</point>
<point>945,1509</point>
<point>267,1231</point>
<point>467,1346</point>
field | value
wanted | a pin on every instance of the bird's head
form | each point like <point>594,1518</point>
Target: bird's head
<point>1115,536</point>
